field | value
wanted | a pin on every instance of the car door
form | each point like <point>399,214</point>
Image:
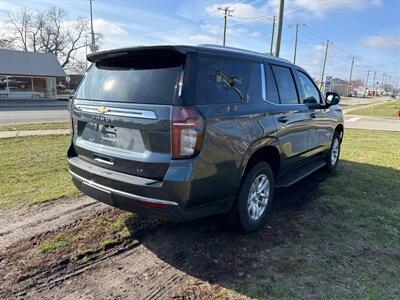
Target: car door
<point>320,121</point>
<point>292,118</point>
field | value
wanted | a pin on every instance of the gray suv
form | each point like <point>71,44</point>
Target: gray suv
<point>183,132</point>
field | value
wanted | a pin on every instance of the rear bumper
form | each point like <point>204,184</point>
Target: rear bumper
<point>169,199</point>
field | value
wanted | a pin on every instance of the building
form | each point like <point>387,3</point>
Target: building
<point>28,75</point>
<point>72,84</point>
<point>340,86</point>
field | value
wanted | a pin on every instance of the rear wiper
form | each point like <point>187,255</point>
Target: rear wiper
<point>231,83</point>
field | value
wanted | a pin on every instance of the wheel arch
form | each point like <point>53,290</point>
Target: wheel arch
<point>340,128</point>
<point>263,150</point>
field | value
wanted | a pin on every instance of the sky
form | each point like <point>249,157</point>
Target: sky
<point>366,29</point>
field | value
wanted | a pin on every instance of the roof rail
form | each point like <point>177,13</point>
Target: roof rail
<point>240,50</point>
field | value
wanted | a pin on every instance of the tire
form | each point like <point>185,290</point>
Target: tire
<point>250,215</point>
<point>332,158</point>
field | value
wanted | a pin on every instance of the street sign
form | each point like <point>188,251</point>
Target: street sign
<point>328,83</point>
<point>67,79</point>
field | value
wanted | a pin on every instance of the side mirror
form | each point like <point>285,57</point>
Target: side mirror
<point>332,98</point>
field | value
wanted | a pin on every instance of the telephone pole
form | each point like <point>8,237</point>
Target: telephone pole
<point>373,86</point>
<point>373,92</point>
<point>279,30</point>
<point>351,74</point>
<point>227,14</point>
<point>323,65</point>
<point>273,33</point>
<point>366,85</point>
<point>383,81</point>
<point>91,28</point>
<point>86,61</point>
<point>297,25</point>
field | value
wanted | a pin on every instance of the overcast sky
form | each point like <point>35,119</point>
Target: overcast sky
<point>368,29</point>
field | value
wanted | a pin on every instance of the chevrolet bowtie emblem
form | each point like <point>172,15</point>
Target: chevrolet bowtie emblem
<point>102,110</point>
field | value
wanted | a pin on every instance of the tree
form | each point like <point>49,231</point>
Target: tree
<point>48,31</point>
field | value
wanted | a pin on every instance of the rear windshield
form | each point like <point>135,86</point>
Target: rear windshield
<point>138,79</point>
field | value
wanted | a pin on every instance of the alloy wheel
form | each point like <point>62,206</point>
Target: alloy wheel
<point>258,197</point>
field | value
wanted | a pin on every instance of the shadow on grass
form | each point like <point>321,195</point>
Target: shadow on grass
<point>251,263</point>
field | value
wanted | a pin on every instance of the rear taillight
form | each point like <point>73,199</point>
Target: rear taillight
<point>187,130</point>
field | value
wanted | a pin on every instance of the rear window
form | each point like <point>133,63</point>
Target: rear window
<point>142,79</point>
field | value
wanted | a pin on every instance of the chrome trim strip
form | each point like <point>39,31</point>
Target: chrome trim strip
<point>119,112</point>
<point>263,85</point>
<point>118,192</point>
<point>110,151</point>
<point>104,161</point>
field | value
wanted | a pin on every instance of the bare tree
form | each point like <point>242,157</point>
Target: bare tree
<point>48,31</point>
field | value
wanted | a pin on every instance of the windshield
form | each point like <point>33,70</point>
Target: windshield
<point>149,80</point>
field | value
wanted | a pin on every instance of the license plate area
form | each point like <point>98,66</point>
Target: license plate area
<point>108,132</point>
<point>112,136</point>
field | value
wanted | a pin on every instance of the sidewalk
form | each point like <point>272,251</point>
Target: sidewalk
<point>374,123</point>
<point>22,133</point>
<point>355,101</point>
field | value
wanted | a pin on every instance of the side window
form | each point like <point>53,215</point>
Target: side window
<point>311,93</point>
<point>222,80</point>
<point>256,90</point>
<point>272,92</point>
<point>286,87</point>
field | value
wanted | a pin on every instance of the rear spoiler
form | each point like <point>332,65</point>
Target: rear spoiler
<point>142,50</point>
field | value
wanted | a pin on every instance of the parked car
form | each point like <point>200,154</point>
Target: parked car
<point>183,132</point>
<point>7,93</point>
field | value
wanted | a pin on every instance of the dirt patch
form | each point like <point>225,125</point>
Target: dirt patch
<point>143,259</point>
<point>22,223</point>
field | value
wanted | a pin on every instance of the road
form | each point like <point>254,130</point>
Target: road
<point>15,116</point>
<point>28,112</point>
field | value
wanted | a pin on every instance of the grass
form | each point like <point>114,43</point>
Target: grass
<point>343,244</point>
<point>34,170</point>
<point>348,243</point>
<point>94,235</point>
<point>44,126</point>
<point>52,245</point>
<point>387,109</point>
